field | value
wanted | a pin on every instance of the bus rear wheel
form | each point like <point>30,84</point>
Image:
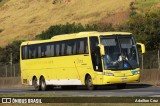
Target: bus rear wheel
<point>36,86</point>
<point>89,83</point>
<point>43,85</point>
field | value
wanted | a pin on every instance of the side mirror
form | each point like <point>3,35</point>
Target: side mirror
<point>142,47</point>
<point>102,49</point>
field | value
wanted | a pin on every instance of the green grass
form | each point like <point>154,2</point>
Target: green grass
<point>70,104</point>
<point>3,2</point>
<point>86,104</point>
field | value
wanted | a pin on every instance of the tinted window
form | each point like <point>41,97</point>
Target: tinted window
<point>63,48</point>
<point>69,47</point>
<point>32,52</point>
<point>43,47</point>
<point>60,48</point>
<point>48,50</point>
<point>39,51</point>
<point>74,47</point>
<point>57,49</point>
<point>82,46</point>
<point>24,52</point>
<point>52,49</point>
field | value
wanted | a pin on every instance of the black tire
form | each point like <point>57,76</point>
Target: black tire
<point>36,86</point>
<point>121,86</point>
<point>89,83</point>
<point>43,84</point>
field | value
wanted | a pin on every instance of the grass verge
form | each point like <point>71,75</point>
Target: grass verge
<point>88,104</point>
<point>71,104</point>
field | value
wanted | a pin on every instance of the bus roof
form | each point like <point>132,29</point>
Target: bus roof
<point>92,33</point>
<point>75,35</point>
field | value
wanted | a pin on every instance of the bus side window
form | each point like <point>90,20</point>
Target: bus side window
<point>43,48</point>
<point>48,49</point>
<point>82,46</point>
<point>85,46</point>
<point>62,48</point>
<point>24,52</point>
<point>74,47</point>
<point>69,47</point>
<point>32,52</point>
<point>77,46</point>
<point>52,49</point>
<point>57,49</point>
<point>39,51</point>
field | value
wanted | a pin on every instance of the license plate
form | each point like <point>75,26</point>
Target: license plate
<point>124,79</point>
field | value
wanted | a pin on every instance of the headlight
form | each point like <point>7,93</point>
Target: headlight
<point>135,72</point>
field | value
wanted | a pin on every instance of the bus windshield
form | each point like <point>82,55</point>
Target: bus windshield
<point>120,52</point>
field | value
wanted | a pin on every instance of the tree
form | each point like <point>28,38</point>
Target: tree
<point>5,53</point>
<point>73,28</point>
<point>146,29</point>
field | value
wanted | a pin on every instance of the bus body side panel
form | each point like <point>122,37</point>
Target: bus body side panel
<point>66,70</point>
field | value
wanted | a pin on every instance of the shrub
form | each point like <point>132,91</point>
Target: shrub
<point>72,28</point>
<point>146,29</point>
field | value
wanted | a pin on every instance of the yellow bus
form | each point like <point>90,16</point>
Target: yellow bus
<point>85,58</point>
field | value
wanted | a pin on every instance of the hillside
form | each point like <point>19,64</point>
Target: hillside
<point>23,19</point>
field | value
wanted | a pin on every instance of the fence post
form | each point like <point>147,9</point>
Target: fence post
<point>142,62</point>
<point>158,61</point>
<point>11,63</point>
<point>14,70</point>
<point>6,70</point>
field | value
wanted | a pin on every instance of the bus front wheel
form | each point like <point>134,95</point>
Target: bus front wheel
<point>89,83</point>
<point>43,84</point>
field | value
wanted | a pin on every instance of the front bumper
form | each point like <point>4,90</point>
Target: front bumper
<point>116,79</point>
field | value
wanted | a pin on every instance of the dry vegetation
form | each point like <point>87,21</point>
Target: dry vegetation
<point>23,19</point>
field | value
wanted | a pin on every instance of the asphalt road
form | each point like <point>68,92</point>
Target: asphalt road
<point>109,91</point>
